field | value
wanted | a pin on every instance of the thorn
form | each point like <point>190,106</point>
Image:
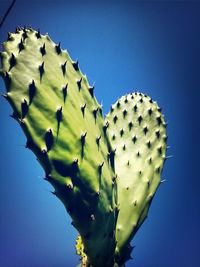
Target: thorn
<point>124,113</point>
<point>92,217</point>
<point>115,119</point>
<point>113,137</point>
<point>141,100</point>
<point>150,160</point>
<point>64,90</point>
<point>63,67</point>
<point>105,127</point>
<point>159,120</point>
<point>44,151</point>
<point>5,96</point>
<point>126,100</point>
<point>130,125</point>
<point>75,160</point>
<point>100,168</point>
<point>135,108</point>
<point>41,70</point>
<point>75,65</point>
<point>49,139</point>
<point>165,139</point>
<point>58,49</point>
<point>59,114</point>
<point>21,45</point>
<point>128,163</point>
<point>162,181</point>
<point>149,144</point>
<point>150,111</point>
<point>91,90</point>
<point>98,140</point>
<point>83,109</point>
<point>158,170</point>
<point>160,150</point>
<point>32,91</point>
<point>95,113</point>
<point>140,119</point>
<point>151,100</point>
<point>12,61</point>
<point>38,35</point>
<point>79,83</point>
<point>134,139</point>
<point>9,37</point>
<point>135,202</point>
<point>138,154</point>
<point>24,35</point>
<point>159,109</point>
<point>43,50</point>
<point>145,130</point>
<point>158,134</point>
<point>83,136</point>
<point>111,109</point>
<point>17,29</point>
<point>124,147</point>
<point>121,132</point>
<point>118,104</point>
<point>7,79</point>
<point>24,108</point>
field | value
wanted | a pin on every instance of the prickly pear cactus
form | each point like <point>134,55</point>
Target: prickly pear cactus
<point>63,123</point>
<point>137,134</point>
<point>105,171</point>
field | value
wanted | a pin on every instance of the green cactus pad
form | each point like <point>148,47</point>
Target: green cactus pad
<point>63,123</point>
<point>137,134</point>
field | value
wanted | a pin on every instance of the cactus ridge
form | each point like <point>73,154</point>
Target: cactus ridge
<point>57,110</point>
<point>137,134</point>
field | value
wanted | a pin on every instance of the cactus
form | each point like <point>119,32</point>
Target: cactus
<point>63,123</point>
<point>137,134</point>
<point>105,171</point>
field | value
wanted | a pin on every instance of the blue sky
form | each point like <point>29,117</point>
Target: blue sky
<point>122,46</point>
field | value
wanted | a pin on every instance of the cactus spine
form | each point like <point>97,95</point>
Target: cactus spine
<point>105,171</point>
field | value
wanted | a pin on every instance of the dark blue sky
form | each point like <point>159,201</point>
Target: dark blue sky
<point>122,46</point>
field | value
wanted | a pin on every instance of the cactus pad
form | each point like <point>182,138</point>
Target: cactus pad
<point>137,134</point>
<point>63,123</point>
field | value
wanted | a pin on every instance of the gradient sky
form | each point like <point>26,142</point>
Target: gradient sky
<point>122,46</point>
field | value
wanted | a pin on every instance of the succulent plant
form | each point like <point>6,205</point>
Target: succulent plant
<point>104,170</point>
